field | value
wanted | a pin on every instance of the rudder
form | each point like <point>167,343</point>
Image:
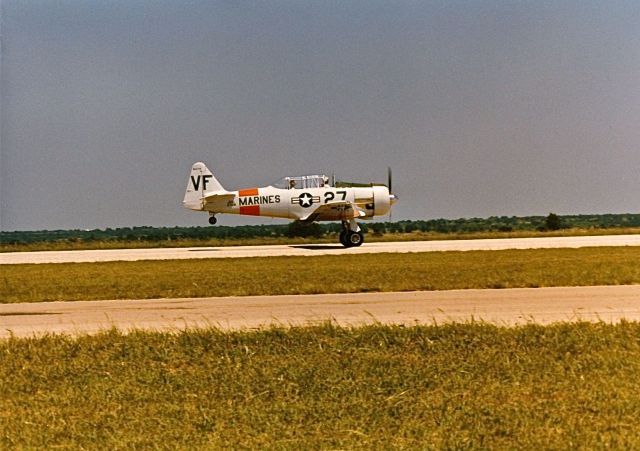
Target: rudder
<point>201,182</point>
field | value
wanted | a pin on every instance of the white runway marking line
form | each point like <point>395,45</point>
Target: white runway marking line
<point>504,307</point>
<point>317,249</point>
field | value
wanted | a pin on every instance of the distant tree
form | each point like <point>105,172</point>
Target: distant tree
<point>378,228</point>
<point>553,222</point>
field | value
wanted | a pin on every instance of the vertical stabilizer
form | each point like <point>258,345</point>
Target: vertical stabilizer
<point>201,182</point>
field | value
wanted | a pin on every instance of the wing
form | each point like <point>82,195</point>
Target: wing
<point>334,211</point>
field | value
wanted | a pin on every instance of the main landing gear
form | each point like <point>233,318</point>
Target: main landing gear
<point>212,220</point>
<point>351,235</point>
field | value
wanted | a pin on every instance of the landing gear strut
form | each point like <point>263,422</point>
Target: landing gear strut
<point>351,235</point>
<point>212,220</point>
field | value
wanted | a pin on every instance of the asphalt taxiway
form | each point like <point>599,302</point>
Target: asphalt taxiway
<point>502,307</point>
<point>315,249</point>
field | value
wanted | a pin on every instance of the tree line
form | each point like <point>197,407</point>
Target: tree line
<point>462,225</point>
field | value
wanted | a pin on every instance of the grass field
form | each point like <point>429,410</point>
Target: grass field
<point>370,237</point>
<point>468,386</point>
<point>321,274</point>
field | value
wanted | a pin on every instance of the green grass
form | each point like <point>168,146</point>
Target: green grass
<point>468,386</point>
<point>321,274</point>
<point>330,238</point>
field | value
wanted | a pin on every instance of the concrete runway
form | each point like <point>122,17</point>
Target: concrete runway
<point>314,249</point>
<point>502,307</point>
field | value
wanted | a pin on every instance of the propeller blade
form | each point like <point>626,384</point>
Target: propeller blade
<point>390,188</point>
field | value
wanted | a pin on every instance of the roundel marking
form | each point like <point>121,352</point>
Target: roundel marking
<point>306,200</point>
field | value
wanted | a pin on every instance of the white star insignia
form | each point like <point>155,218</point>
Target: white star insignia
<point>306,200</point>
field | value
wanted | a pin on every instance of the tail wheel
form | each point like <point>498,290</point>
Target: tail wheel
<point>212,220</point>
<point>355,238</point>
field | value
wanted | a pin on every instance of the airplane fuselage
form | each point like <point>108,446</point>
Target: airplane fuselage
<point>299,203</point>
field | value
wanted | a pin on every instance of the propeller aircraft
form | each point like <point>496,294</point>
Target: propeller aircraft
<point>306,198</point>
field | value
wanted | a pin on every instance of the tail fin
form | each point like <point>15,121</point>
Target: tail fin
<point>201,182</point>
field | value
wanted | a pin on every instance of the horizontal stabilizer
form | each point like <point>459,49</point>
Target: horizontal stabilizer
<point>215,197</point>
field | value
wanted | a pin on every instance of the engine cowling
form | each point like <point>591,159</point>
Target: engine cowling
<point>381,200</point>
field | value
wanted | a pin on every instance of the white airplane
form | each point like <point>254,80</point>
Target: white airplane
<point>306,198</point>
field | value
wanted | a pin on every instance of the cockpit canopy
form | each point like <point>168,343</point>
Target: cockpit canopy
<point>302,182</point>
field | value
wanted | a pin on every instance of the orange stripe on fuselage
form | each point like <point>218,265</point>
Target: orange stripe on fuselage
<point>248,192</point>
<point>251,210</point>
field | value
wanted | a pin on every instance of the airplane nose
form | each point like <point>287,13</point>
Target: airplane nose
<point>393,198</point>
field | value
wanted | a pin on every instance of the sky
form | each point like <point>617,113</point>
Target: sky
<point>482,108</point>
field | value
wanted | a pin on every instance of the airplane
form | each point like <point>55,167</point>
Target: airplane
<point>305,198</point>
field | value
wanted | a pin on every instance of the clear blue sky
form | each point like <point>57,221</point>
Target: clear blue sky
<point>481,107</point>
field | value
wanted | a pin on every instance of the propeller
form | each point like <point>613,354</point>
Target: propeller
<point>392,197</point>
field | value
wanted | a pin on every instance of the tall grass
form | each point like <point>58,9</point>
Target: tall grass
<point>321,274</point>
<point>448,387</point>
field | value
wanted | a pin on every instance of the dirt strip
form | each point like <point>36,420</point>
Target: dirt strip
<point>315,249</point>
<point>501,307</point>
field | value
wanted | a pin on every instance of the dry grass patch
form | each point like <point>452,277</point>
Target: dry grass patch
<point>321,274</point>
<point>377,387</point>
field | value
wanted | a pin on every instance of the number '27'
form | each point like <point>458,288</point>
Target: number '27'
<point>329,195</point>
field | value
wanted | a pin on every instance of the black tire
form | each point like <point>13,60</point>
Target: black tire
<point>212,220</point>
<point>343,238</point>
<point>355,239</point>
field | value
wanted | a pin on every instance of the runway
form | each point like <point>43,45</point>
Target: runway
<point>314,249</point>
<point>501,307</point>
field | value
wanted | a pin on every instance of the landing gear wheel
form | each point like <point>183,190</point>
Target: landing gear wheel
<point>343,238</point>
<point>212,220</point>
<point>355,238</point>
